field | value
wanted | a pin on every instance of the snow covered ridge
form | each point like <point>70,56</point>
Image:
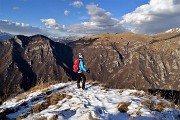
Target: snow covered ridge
<point>64,39</point>
<point>173,30</point>
<point>63,101</point>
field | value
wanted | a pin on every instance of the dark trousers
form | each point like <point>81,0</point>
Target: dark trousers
<point>82,77</point>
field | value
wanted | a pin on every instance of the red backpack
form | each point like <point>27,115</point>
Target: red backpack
<point>76,65</point>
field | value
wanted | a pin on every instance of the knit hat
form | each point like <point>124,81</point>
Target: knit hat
<point>81,56</point>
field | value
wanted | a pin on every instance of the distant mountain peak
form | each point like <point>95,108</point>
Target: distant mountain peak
<point>64,39</point>
<point>5,36</point>
<point>173,30</point>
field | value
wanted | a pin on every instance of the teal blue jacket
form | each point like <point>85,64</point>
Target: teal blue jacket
<point>81,66</point>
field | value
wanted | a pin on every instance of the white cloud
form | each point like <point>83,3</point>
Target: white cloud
<point>100,21</point>
<point>154,17</point>
<point>66,12</point>
<point>77,4</point>
<point>15,8</point>
<point>51,23</point>
<point>20,28</point>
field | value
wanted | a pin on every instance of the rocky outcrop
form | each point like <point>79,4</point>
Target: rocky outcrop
<point>129,60</point>
<point>27,61</point>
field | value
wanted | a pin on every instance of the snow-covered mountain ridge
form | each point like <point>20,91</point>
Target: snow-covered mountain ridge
<point>173,30</point>
<point>63,101</point>
<point>64,39</point>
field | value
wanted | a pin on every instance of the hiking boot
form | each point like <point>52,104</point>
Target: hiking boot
<point>78,86</point>
<point>83,88</point>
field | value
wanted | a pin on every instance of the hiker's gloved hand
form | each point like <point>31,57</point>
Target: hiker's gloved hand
<point>88,71</point>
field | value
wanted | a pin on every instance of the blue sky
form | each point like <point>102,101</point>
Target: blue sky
<point>69,17</point>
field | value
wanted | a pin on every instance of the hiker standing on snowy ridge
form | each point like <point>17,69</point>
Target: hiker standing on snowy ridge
<point>80,69</point>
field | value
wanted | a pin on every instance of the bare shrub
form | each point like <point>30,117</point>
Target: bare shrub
<point>123,106</point>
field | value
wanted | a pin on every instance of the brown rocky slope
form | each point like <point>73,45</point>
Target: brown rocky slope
<point>27,61</point>
<point>129,60</point>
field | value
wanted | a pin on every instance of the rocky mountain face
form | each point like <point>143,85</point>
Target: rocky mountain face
<point>134,61</point>
<point>123,60</point>
<point>27,61</point>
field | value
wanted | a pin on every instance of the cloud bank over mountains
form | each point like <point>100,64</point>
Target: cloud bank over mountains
<point>100,21</point>
<point>154,17</point>
<point>20,28</point>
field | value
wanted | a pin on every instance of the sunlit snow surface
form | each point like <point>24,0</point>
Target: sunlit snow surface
<point>94,102</point>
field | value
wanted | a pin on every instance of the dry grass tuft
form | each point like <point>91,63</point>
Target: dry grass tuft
<point>55,98</point>
<point>123,106</point>
<point>42,86</point>
<point>178,107</point>
<point>148,96</point>
<point>19,118</point>
<point>54,117</point>
<point>103,85</point>
<point>138,112</point>
<point>90,117</point>
<point>95,83</point>
<point>21,97</point>
<point>41,118</point>
<point>148,104</point>
<point>159,106</point>
<point>68,96</point>
<point>172,105</point>
<point>39,107</point>
<point>137,94</point>
<point>159,96</point>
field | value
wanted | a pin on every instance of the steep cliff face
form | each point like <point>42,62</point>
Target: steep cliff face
<point>26,61</point>
<point>133,61</point>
